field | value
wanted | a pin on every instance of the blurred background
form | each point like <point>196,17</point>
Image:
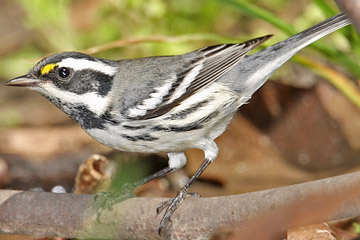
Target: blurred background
<point>303,124</point>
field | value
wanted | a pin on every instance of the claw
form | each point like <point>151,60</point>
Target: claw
<point>163,205</point>
<point>171,205</point>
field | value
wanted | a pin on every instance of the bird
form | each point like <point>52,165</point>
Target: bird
<point>165,103</point>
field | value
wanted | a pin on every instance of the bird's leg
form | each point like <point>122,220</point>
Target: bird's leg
<point>105,200</point>
<point>211,151</point>
<point>174,202</point>
<point>127,189</point>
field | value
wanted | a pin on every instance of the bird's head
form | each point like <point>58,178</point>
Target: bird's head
<point>71,79</point>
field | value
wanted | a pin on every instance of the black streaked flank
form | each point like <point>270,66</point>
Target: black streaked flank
<point>108,118</point>
<point>184,113</point>
<point>208,117</point>
<point>133,127</point>
<point>144,137</point>
<point>173,128</point>
<point>190,127</point>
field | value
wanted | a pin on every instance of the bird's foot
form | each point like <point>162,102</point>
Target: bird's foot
<point>106,200</point>
<point>171,205</point>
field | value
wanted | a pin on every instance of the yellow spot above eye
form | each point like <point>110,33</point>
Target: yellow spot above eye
<point>48,68</point>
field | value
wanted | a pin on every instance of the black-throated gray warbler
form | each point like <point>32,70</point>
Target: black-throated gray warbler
<point>164,104</point>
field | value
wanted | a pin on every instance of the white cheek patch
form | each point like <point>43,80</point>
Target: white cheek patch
<point>93,101</point>
<point>82,64</point>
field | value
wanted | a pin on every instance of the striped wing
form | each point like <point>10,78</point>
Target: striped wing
<point>211,63</point>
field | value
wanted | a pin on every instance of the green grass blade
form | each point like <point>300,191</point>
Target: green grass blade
<point>255,11</point>
<point>331,53</point>
<point>325,8</point>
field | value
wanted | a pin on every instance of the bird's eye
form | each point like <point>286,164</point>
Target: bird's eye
<point>64,72</point>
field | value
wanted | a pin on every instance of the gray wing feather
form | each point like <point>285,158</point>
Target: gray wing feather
<point>161,83</point>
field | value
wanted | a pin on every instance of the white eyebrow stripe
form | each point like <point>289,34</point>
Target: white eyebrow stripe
<point>81,64</point>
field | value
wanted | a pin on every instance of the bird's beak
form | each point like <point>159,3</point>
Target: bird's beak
<point>23,81</point>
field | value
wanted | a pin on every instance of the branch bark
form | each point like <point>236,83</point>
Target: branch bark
<point>74,215</point>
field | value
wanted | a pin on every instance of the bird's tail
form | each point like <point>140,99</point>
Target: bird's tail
<point>253,71</point>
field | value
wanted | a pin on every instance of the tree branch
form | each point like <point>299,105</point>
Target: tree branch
<point>74,215</point>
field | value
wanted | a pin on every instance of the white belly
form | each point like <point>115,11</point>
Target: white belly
<point>175,131</point>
